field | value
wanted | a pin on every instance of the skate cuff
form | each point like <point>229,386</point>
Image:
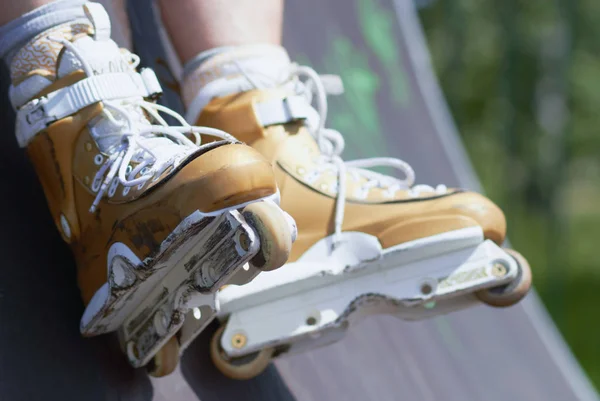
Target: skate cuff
<point>37,114</point>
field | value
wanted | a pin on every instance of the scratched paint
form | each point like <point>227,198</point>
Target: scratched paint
<point>356,113</point>
<point>377,26</point>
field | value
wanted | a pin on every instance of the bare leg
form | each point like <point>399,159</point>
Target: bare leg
<point>22,20</point>
<point>198,25</point>
<point>14,9</point>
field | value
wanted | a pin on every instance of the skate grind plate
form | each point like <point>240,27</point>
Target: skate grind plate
<point>314,301</point>
<point>162,303</point>
<point>147,300</point>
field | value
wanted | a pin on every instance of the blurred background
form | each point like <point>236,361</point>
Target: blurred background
<point>522,79</point>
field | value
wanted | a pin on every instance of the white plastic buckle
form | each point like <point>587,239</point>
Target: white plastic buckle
<point>37,114</point>
<point>151,83</point>
<point>282,111</point>
<point>32,118</point>
<point>295,108</point>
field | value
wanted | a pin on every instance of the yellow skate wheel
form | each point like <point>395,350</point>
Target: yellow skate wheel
<point>511,293</point>
<point>274,232</point>
<point>166,359</point>
<point>241,368</point>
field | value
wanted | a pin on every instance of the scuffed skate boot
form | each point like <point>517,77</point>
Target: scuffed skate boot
<point>157,222</point>
<point>367,243</point>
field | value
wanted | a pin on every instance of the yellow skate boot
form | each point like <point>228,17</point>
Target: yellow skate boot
<point>157,222</point>
<point>379,243</point>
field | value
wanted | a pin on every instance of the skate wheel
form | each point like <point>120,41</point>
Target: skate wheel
<point>274,231</point>
<point>511,293</point>
<point>166,359</point>
<point>241,368</point>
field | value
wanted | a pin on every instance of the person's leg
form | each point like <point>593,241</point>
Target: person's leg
<point>205,34</point>
<point>22,20</point>
<point>242,81</point>
<point>196,26</point>
<point>25,19</point>
<point>128,191</point>
<point>14,9</point>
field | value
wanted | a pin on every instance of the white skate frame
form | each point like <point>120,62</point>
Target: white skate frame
<point>312,302</point>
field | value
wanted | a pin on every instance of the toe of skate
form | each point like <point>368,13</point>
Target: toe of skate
<point>513,292</point>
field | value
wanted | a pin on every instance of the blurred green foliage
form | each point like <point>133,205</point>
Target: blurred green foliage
<point>522,78</point>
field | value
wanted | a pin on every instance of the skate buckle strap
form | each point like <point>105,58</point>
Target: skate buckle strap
<point>150,81</point>
<point>295,108</point>
<point>282,111</point>
<point>99,19</point>
<point>37,114</point>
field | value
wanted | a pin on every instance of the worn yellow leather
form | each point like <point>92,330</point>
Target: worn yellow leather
<point>309,196</point>
<point>210,180</point>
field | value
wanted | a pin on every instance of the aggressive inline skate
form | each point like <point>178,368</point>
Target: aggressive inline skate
<point>158,222</point>
<point>367,243</point>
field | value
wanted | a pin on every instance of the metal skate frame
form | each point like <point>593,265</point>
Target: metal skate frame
<point>312,302</point>
<point>147,301</point>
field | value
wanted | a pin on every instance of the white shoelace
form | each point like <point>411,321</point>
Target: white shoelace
<point>155,147</point>
<point>306,82</point>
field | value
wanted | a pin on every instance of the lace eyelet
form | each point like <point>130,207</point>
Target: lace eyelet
<point>312,176</point>
<point>361,193</point>
<point>113,187</point>
<point>389,193</point>
<point>128,169</point>
<point>126,190</point>
<point>96,184</point>
<point>98,159</point>
<point>414,193</point>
